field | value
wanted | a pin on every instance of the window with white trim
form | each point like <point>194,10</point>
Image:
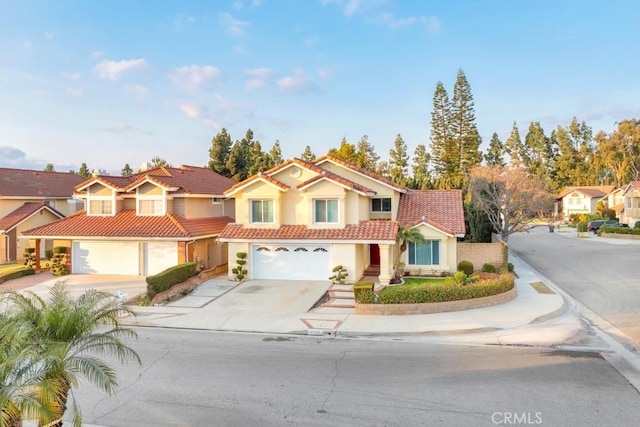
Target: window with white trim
<point>325,211</point>
<point>381,205</point>
<point>151,207</point>
<point>427,253</point>
<point>262,211</point>
<point>100,207</point>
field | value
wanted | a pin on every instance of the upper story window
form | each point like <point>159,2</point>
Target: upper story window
<point>381,205</point>
<point>427,253</point>
<point>325,211</point>
<point>100,207</point>
<point>262,211</point>
<point>151,207</point>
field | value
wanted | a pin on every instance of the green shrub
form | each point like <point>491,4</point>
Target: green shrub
<point>17,273</point>
<point>510,267</point>
<point>340,275</point>
<point>466,266</point>
<point>239,272</point>
<point>636,225</point>
<point>169,277</point>
<point>360,287</point>
<point>460,277</point>
<point>48,253</point>
<point>366,296</point>
<point>444,292</point>
<point>581,227</point>
<point>60,250</point>
<point>29,250</point>
<point>488,267</point>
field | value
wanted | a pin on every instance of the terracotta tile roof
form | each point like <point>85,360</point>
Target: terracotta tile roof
<point>23,212</point>
<point>374,230</point>
<point>338,179</point>
<point>31,183</point>
<point>359,170</point>
<point>261,176</point>
<point>588,190</point>
<point>126,224</point>
<point>442,209</point>
<point>187,180</point>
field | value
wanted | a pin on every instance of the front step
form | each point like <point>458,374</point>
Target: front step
<point>340,296</point>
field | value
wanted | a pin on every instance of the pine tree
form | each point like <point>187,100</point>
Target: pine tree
<point>366,157</point>
<point>442,154</point>
<point>421,175</point>
<point>399,162</point>
<point>239,156</point>
<point>539,152</point>
<point>275,154</point>
<point>157,162</point>
<point>514,148</point>
<point>495,155</point>
<point>84,171</point>
<point>219,153</point>
<point>466,139</point>
<point>259,161</point>
<point>126,170</point>
<point>346,151</point>
<point>49,168</point>
<point>575,147</point>
<point>308,155</point>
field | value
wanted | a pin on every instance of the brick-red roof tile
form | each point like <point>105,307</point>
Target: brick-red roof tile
<point>260,176</point>
<point>126,224</point>
<point>442,209</point>
<point>359,170</point>
<point>23,212</point>
<point>374,230</point>
<point>31,183</point>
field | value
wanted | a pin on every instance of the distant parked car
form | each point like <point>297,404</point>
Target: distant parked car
<point>595,225</point>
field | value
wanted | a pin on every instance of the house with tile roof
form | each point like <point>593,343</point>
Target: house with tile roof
<point>301,219</point>
<point>630,212</point>
<point>144,223</point>
<point>579,200</point>
<point>30,198</point>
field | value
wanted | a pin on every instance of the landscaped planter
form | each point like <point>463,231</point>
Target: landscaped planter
<point>435,307</point>
<point>621,236</point>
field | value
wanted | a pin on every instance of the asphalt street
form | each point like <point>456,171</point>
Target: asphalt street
<point>204,378</point>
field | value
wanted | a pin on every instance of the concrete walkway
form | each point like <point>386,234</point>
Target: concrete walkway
<point>284,307</point>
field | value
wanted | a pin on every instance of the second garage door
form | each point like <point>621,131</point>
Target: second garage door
<point>106,258</point>
<point>291,262</point>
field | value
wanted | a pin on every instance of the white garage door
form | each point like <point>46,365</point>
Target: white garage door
<point>291,262</point>
<point>106,258</point>
<point>158,256</point>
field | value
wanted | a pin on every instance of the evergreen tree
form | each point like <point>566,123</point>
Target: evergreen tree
<point>84,171</point>
<point>514,148</point>
<point>238,161</point>
<point>442,153</point>
<point>466,139</point>
<point>259,161</point>
<point>539,153</point>
<point>219,153</point>
<point>421,175</point>
<point>157,162</point>
<point>495,155</point>
<point>275,154</point>
<point>366,157</point>
<point>382,169</point>
<point>49,168</point>
<point>126,170</point>
<point>575,147</point>
<point>399,162</point>
<point>308,155</point>
<point>346,151</point>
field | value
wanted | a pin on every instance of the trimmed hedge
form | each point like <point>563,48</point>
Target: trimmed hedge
<point>360,287</point>
<point>17,273</point>
<point>169,277</point>
<point>466,267</point>
<point>619,230</point>
<point>438,293</point>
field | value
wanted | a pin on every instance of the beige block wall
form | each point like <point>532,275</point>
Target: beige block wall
<point>481,253</point>
<point>234,248</point>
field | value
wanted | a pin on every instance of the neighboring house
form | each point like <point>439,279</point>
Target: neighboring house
<point>301,219</point>
<point>614,200</point>
<point>144,223</point>
<point>30,198</point>
<point>631,199</point>
<point>579,200</point>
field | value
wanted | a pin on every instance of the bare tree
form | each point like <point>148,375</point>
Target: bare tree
<point>510,197</point>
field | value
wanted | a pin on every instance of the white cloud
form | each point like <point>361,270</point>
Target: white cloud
<point>96,54</point>
<point>351,7</point>
<point>193,77</point>
<point>232,26</point>
<point>298,82</point>
<point>77,93</point>
<point>113,70</point>
<point>391,21</point>
<point>253,84</point>
<point>200,113</point>
<point>139,91</point>
<point>237,5</point>
<point>181,20</point>
<point>71,76</point>
<point>27,44</point>
<point>260,73</point>
<point>433,24</point>
<point>325,72</point>
<point>256,3</point>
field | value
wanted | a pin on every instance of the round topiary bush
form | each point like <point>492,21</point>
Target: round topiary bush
<point>488,267</point>
<point>466,267</point>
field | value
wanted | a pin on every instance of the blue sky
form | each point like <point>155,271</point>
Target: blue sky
<point>115,82</point>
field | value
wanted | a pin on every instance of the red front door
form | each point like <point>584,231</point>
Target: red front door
<point>374,255</point>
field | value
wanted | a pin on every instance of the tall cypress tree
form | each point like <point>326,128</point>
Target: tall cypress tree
<point>515,148</point>
<point>539,152</point>
<point>466,139</point>
<point>399,162</point>
<point>275,154</point>
<point>239,156</point>
<point>421,176</point>
<point>219,153</point>
<point>366,156</point>
<point>495,154</point>
<point>84,171</point>
<point>308,155</point>
<point>346,151</point>
<point>442,153</point>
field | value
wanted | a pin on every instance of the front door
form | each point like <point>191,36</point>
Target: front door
<point>374,254</point>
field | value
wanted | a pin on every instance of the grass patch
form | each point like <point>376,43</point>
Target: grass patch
<point>421,281</point>
<point>14,271</point>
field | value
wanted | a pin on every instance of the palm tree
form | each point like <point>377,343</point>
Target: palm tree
<point>69,334</point>
<point>405,236</point>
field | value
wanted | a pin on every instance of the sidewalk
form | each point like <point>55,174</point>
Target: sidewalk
<point>194,312</point>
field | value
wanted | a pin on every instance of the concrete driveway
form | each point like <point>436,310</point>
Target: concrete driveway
<point>125,286</point>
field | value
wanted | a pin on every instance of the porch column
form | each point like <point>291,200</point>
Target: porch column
<point>37,253</point>
<point>385,264</point>
<point>182,252</point>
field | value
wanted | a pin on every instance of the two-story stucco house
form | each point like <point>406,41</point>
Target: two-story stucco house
<point>579,200</point>
<point>144,223</point>
<point>301,219</point>
<point>631,199</point>
<point>28,199</point>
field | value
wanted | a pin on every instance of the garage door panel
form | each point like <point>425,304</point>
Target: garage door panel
<point>105,257</point>
<point>291,262</point>
<point>159,256</point>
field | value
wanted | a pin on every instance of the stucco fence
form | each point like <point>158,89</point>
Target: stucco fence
<point>621,236</point>
<point>435,307</point>
<point>481,253</point>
